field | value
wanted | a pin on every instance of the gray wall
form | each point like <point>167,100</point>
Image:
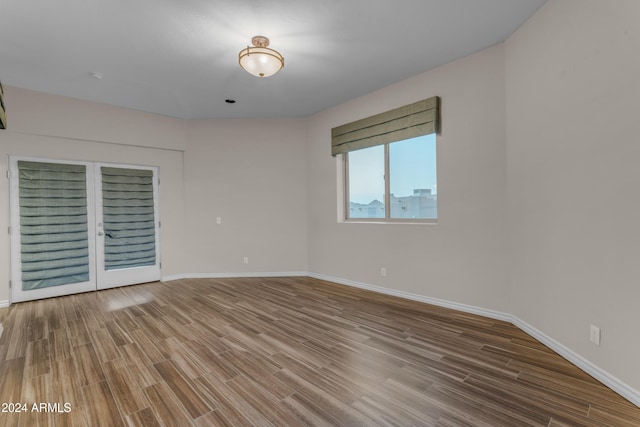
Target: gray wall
<point>573,84</point>
<point>252,175</point>
<point>462,258</point>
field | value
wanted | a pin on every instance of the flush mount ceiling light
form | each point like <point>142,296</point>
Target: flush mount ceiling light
<point>260,60</point>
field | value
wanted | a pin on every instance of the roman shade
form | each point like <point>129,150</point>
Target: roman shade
<point>54,242</point>
<point>410,121</point>
<point>129,218</point>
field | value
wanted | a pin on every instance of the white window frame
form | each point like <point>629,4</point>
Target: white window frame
<point>344,199</point>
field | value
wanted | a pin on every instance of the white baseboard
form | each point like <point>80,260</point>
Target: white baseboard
<point>4,303</point>
<point>492,314</point>
<point>596,372</point>
<point>615,384</point>
<point>232,275</point>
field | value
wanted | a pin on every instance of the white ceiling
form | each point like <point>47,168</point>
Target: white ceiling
<point>180,57</point>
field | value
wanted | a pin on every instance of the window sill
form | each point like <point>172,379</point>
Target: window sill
<point>389,222</point>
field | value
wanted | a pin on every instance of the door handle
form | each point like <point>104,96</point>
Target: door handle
<point>100,233</point>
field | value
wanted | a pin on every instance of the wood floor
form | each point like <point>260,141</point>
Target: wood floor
<point>282,352</point>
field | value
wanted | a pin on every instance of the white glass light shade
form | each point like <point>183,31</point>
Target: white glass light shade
<point>260,60</point>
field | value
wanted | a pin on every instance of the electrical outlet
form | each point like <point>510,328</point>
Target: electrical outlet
<point>218,220</point>
<point>383,272</point>
<point>245,260</point>
<point>594,335</point>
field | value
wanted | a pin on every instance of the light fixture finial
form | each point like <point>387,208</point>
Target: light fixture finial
<point>260,41</point>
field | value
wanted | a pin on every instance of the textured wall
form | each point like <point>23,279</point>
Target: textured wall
<point>573,154</point>
<point>462,257</point>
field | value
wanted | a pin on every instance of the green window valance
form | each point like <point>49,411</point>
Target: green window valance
<point>410,121</point>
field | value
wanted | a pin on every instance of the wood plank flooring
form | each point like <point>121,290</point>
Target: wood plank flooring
<point>282,352</point>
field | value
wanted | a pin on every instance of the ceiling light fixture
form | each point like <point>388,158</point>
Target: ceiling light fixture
<point>260,60</point>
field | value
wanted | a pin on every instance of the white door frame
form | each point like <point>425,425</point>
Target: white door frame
<point>111,278</point>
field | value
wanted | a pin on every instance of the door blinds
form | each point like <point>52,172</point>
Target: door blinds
<point>54,244</point>
<point>128,216</point>
<point>410,121</point>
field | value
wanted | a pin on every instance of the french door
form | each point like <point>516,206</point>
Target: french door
<point>81,226</point>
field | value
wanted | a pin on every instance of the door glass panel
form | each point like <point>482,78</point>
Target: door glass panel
<point>128,218</point>
<point>54,244</point>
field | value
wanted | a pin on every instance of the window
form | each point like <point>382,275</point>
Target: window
<point>390,164</point>
<point>395,181</point>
